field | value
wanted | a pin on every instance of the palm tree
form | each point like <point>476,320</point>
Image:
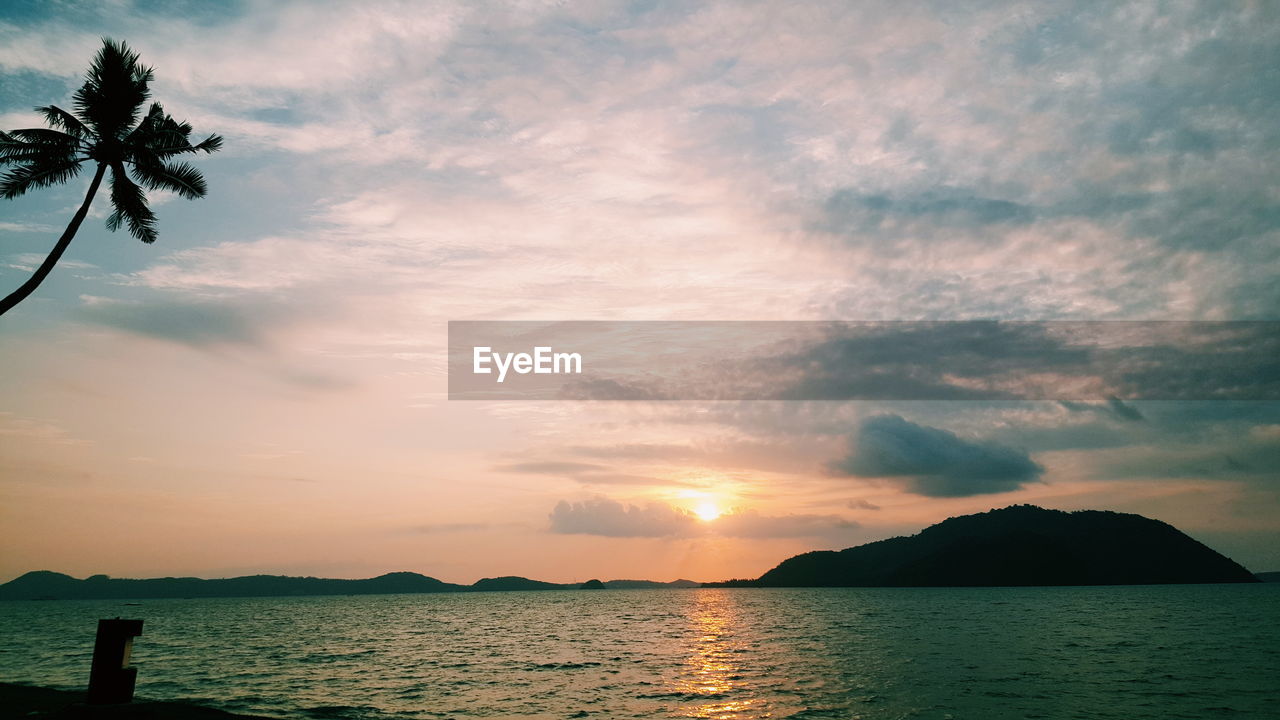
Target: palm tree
<point>108,128</point>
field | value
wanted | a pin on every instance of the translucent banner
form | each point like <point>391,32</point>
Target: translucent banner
<point>909,360</point>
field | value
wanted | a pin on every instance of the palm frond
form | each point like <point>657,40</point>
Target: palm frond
<point>150,123</point>
<point>11,146</point>
<point>181,127</point>
<point>34,146</point>
<point>59,118</point>
<point>20,154</point>
<point>33,175</point>
<point>114,90</point>
<point>164,146</point>
<point>181,178</point>
<point>129,204</point>
<point>164,137</point>
<point>211,144</point>
<point>44,136</point>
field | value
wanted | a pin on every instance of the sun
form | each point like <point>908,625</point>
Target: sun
<point>707,511</point>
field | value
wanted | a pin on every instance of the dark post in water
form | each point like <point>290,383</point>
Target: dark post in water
<point>111,680</point>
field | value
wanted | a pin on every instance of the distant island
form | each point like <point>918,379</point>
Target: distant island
<point>1015,546</point>
<point>46,585</point>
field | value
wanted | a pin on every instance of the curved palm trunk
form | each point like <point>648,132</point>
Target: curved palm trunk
<point>42,272</point>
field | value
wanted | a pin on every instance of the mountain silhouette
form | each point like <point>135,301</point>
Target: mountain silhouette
<point>1018,545</point>
<point>511,582</point>
<point>46,585</point>
<point>649,584</point>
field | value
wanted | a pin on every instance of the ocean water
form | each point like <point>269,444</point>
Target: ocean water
<point>984,653</point>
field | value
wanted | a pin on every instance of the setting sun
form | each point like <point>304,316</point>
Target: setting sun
<point>707,511</point>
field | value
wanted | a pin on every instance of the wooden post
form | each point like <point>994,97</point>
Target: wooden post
<point>111,680</point>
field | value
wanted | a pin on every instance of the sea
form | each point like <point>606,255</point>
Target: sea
<point>1132,652</point>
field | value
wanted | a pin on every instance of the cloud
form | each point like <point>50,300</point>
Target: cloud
<point>879,216</point>
<point>609,389</point>
<point>1238,454</point>
<point>29,430</point>
<point>550,467</point>
<point>934,462</point>
<point>922,361</point>
<point>1123,410</point>
<point>1003,142</point>
<point>587,473</point>
<point>610,518</point>
<point>929,360</point>
<point>190,322</point>
<point>29,261</point>
<point>23,227</point>
<point>627,479</point>
<point>638,451</point>
<point>1115,407</point>
<point>751,524</point>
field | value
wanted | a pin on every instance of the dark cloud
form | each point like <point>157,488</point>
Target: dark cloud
<point>848,212</point>
<point>919,361</point>
<point>1252,458</point>
<point>1206,217</point>
<point>610,518</point>
<point>1114,407</point>
<point>987,360</point>
<point>934,462</point>
<point>1124,411</point>
<point>212,324</point>
<point>188,322</point>
<point>1055,435</point>
<point>1228,361</point>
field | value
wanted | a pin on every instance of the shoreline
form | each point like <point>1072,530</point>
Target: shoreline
<point>34,702</point>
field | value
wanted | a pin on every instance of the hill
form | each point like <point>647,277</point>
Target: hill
<point>43,584</point>
<point>511,582</point>
<point>649,584</point>
<point>1019,545</point>
<point>46,585</point>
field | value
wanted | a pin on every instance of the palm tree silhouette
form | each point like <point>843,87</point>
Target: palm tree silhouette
<point>109,128</point>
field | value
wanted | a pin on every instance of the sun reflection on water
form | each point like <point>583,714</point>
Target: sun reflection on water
<point>712,678</point>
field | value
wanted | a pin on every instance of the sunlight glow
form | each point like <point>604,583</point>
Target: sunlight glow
<point>707,511</point>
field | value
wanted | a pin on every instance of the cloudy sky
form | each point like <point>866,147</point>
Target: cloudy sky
<point>264,388</point>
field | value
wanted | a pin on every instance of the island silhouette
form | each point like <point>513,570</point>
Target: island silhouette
<point>47,585</point>
<point>1020,545</point>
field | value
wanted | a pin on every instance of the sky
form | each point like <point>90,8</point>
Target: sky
<point>264,389</point>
